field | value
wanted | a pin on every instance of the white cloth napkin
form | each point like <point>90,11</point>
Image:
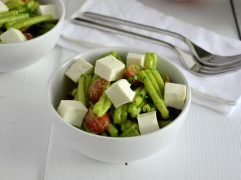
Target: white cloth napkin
<point>221,93</point>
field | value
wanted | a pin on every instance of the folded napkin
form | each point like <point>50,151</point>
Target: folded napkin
<point>221,93</point>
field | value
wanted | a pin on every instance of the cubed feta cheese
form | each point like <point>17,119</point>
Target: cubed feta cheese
<point>120,93</point>
<point>49,9</point>
<point>12,36</point>
<point>3,7</point>
<point>137,59</point>
<point>175,95</point>
<point>72,112</point>
<point>147,122</point>
<point>109,68</point>
<point>78,68</point>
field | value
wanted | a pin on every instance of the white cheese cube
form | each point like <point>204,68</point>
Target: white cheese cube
<point>72,112</point>
<point>49,9</point>
<point>120,93</point>
<point>138,59</point>
<point>3,7</point>
<point>109,68</point>
<point>78,68</point>
<point>147,122</point>
<point>175,95</point>
<point>12,36</point>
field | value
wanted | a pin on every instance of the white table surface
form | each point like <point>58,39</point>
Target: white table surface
<point>209,145</point>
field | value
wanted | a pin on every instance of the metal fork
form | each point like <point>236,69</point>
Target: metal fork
<point>192,61</point>
<point>202,55</point>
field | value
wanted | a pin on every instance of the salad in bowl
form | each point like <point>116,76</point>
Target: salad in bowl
<point>118,104</point>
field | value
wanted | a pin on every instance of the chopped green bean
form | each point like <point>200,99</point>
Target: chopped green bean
<point>132,130</point>
<point>80,96</point>
<point>14,18</point>
<point>120,114</point>
<point>159,80</point>
<point>150,61</point>
<point>112,130</point>
<point>154,83</point>
<point>14,4</point>
<point>9,13</point>
<point>31,21</point>
<point>102,106</point>
<point>159,103</point>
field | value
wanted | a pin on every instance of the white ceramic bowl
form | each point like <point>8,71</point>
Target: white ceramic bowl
<point>110,149</point>
<point>19,55</point>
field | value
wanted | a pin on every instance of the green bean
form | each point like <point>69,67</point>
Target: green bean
<point>22,9</point>
<point>32,5</point>
<point>14,4</point>
<point>31,21</point>
<point>134,111</point>
<point>135,106</point>
<point>140,94</point>
<point>154,57</point>
<point>148,107</point>
<point>159,103</point>
<point>120,114</point>
<point>159,80</point>
<point>80,96</point>
<point>154,83</point>
<point>112,130</point>
<point>150,61</point>
<point>9,13</point>
<point>87,83</point>
<point>132,130</point>
<point>126,125</point>
<point>15,18</point>
<point>102,106</point>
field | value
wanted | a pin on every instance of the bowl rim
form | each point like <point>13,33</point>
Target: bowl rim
<point>59,23</point>
<point>103,50</point>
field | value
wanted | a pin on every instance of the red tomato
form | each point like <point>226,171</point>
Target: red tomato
<point>28,36</point>
<point>95,124</point>
<point>97,88</point>
<point>131,74</point>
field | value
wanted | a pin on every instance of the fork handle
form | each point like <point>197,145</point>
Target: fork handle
<point>105,18</point>
<point>188,63</point>
<point>112,29</point>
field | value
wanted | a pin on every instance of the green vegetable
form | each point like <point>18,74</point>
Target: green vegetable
<point>131,130</point>
<point>148,107</point>
<point>87,83</point>
<point>102,106</point>
<point>14,18</point>
<point>80,96</point>
<point>112,130</point>
<point>32,5</point>
<point>31,21</point>
<point>154,83</point>
<point>137,103</point>
<point>150,61</point>
<point>83,87</point>
<point>159,103</point>
<point>120,114</point>
<point>12,4</point>
<point>159,80</point>
<point>9,13</point>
